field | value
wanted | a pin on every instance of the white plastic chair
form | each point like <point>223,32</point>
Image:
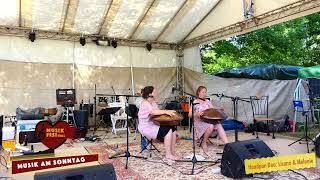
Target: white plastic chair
<point>120,117</point>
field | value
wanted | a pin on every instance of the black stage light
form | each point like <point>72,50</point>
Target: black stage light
<point>82,41</point>
<point>149,46</point>
<point>32,36</point>
<point>114,43</point>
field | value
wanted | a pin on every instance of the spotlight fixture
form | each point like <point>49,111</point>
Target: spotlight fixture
<point>148,46</point>
<point>103,41</point>
<point>82,41</point>
<point>96,41</point>
<point>32,36</point>
<point>114,43</point>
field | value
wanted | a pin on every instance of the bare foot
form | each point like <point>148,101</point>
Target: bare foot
<point>177,157</point>
<point>171,157</point>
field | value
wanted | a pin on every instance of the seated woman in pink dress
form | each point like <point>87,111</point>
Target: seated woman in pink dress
<point>202,128</point>
<point>149,129</point>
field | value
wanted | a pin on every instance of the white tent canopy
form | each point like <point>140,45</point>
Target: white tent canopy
<point>163,21</point>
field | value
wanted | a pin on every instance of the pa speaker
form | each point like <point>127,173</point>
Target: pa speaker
<point>105,171</point>
<point>81,117</point>
<point>234,154</point>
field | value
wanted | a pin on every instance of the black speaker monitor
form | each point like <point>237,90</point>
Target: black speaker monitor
<point>234,154</point>
<point>104,171</point>
<point>81,117</point>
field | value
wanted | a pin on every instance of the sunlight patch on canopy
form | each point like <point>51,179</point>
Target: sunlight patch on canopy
<point>127,17</point>
<point>185,22</point>
<point>46,15</point>
<point>89,15</point>
<point>158,18</point>
<point>8,12</point>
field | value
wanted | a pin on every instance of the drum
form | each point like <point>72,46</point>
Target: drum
<point>166,120</point>
<point>213,116</point>
<point>50,111</point>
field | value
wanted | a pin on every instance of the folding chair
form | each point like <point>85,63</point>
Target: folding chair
<point>149,143</point>
<point>151,147</point>
<point>260,110</point>
<point>119,116</point>
<point>298,105</point>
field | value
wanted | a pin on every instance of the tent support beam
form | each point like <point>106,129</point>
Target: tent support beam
<point>104,18</point>
<point>180,75</point>
<point>203,18</point>
<point>71,11</point>
<point>20,7</point>
<point>257,22</point>
<point>171,19</point>
<point>65,36</point>
<point>141,19</point>
<point>65,15</point>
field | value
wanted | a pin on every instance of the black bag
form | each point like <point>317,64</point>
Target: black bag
<point>29,114</point>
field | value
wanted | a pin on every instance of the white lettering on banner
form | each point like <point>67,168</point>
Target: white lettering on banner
<point>69,161</point>
<point>27,165</point>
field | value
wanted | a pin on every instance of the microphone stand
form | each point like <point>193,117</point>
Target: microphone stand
<point>194,158</point>
<point>235,101</point>
<point>127,153</point>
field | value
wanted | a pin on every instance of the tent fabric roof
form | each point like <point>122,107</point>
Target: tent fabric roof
<point>262,71</point>
<point>163,21</point>
<point>309,72</point>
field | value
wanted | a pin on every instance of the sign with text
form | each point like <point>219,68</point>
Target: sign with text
<point>55,135</point>
<point>280,163</point>
<point>47,163</point>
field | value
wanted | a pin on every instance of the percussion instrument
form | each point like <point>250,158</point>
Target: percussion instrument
<point>50,111</point>
<point>213,116</point>
<point>166,120</point>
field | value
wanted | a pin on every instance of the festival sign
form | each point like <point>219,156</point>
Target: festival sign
<point>55,135</point>
<point>280,163</point>
<point>47,163</point>
<point>52,136</point>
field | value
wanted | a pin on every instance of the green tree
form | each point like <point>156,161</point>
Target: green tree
<point>296,42</point>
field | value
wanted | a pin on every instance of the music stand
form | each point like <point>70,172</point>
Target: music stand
<point>127,153</point>
<point>107,111</point>
<point>194,159</point>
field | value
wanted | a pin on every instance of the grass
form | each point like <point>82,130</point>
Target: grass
<point>312,132</point>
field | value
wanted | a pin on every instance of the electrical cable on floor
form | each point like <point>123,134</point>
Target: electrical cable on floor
<point>6,164</point>
<point>183,173</point>
<point>5,160</point>
<point>299,174</point>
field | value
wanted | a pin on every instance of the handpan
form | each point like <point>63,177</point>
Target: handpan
<point>166,120</point>
<point>213,116</point>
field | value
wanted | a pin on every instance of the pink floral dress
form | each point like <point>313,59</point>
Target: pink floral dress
<point>201,126</point>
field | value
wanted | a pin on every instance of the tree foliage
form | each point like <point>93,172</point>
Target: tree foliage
<point>296,42</point>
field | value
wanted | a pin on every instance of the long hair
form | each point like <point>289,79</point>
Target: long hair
<point>146,91</point>
<point>199,89</point>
